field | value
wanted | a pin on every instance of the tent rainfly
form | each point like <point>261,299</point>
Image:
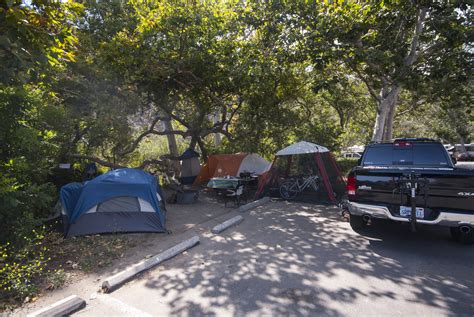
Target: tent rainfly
<point>232,165</point>
<point>304,159</point>
<point>122,200</point>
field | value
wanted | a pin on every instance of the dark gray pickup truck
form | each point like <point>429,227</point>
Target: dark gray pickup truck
<point>415,181</point>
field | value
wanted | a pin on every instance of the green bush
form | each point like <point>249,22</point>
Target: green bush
<point>20,267</point>
<point>22,209</point>
<point>346,164</point>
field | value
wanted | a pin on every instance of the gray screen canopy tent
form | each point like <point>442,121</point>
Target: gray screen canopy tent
<point>299,161</point>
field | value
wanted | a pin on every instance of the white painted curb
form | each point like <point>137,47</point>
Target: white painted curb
<point>254,204</point>
<point>226,224</point>
<point>116,280</point>
<point>63,307</point>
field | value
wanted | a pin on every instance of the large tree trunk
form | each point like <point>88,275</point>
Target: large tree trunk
<point>388,131</point>
<point>462,142</point>
<point>387,102</point>
<point>172,145</point>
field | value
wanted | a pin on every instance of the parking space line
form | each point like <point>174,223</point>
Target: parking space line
<point>122,307</point>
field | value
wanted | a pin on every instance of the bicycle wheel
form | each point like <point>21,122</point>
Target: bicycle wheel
<point>315,185</point>
<point>288,190</point>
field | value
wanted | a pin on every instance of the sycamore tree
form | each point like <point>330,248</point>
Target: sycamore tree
<point>390,46</point>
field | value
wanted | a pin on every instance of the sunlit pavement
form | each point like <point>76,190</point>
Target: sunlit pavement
<point>302,260</point>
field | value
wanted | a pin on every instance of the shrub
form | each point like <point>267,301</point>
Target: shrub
<point>346,164</point>
<point>21,267</point>
<point>22,209</point>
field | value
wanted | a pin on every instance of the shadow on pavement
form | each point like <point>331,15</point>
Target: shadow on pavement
<point>294,259</point>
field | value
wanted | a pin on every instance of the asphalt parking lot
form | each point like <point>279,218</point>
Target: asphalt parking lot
<point>295,259</point>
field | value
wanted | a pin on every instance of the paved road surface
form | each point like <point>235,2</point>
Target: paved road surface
<point>301,260</point>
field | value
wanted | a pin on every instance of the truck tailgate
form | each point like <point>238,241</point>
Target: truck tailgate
<point>443,190</point>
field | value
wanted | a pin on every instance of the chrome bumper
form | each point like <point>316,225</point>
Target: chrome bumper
<point>448,219</point>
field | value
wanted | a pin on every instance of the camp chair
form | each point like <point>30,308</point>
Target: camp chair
<point>235,194</point>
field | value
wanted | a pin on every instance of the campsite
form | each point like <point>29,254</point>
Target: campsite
<point>234,158</point>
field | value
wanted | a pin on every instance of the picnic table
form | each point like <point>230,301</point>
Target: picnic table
<point>231,182</point>
<point>223,183</point>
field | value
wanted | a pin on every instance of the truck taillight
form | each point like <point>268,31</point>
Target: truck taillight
<point>351,186</point>
<point>400,144</point>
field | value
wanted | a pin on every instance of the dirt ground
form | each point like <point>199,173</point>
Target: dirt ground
<point>81,262</point>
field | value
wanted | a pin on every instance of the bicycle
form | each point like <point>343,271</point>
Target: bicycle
<point>289,189</point>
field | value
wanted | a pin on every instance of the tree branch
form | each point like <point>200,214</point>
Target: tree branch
<point>102,162</point>
<point>94,159</point>
<point>145,163</point>
<point>412,56</point>
<point>367,84</point>
<point>170,132</point>
<point>413,105</point>
<point>142,135</point>
<point>234,111</point>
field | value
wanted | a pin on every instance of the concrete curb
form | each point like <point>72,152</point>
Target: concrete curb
<point>113,282</point>
<point>63,307</point>
<point>254,204</point>
<point>226,224</point>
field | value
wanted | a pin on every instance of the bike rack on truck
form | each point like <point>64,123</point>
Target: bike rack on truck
<point>412,185</point>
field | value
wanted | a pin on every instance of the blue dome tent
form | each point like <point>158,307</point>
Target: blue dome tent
<point>122,200</point>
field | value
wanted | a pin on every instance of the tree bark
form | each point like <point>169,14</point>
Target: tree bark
<point>193,143</point>
<point>172,145</point>
<point>203,149</point>
<point>388,131</point>
<point>462,142</point>
<point>388,100</point>
<point>217,136</point>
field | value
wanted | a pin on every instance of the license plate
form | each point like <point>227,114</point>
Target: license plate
<point>406,212</point>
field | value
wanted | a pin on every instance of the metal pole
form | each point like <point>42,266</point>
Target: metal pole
<point>413,201</point>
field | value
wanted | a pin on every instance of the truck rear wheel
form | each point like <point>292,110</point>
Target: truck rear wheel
<point>356,222</point>
<point>462,236</point>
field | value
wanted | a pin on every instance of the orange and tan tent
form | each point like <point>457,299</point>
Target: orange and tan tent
<point>231,165</point>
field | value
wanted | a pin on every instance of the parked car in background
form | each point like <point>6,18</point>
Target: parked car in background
<point>351,155</point>
<point>459,154</point>
<point>415,181</point>
<point>463,156</point>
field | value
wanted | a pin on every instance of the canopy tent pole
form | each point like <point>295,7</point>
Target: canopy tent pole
<point>333,161</point>
<point>324,175</point>
<point>266,178</point>
<point>288,166</point>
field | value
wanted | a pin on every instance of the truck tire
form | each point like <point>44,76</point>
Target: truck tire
<point>461,237</point>
<point>356,222</point>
